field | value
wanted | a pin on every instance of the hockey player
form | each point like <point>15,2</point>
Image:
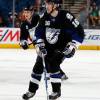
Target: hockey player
<point>27,30</point>
<point>31,19</point>
<point>58,35</point>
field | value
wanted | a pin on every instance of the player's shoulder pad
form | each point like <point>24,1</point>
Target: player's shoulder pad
<point>64,12</point>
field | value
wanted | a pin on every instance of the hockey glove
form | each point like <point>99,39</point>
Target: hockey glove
<point>69,50</point>
<point>40,47</point>
<point>24,44</point>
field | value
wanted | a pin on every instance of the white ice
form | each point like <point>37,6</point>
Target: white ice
<point>83,71</point>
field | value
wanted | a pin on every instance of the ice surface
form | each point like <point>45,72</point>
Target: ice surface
<point>83,71</point>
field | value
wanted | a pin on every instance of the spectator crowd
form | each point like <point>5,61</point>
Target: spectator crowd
<point>92,15</point>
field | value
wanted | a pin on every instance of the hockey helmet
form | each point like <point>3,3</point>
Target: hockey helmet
<point>28,8</point>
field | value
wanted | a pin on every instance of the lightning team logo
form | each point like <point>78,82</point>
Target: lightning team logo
<point>52,35</point>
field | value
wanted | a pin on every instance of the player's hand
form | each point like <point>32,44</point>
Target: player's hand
<point>24,44</point>
<point>40,47</point>
<point>69,50</point>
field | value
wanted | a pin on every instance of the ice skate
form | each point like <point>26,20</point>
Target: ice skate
<point>28,95</point>
<point>54,95</point>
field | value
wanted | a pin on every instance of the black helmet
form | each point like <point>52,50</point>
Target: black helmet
<point>28,8</point>
<point>54,1</point>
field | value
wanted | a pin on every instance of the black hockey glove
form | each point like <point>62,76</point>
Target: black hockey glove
<point>40,47</point>
<point>24,44</point>
<point>69,50</point>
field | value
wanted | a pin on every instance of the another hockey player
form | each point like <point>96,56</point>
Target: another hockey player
<point>58,35</point>
<point>31,19</point>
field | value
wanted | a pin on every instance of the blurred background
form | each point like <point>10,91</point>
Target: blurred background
<point>12,14</point>
<point>86,11</point>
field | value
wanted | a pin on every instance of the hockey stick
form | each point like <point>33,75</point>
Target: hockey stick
<point>45,72</point>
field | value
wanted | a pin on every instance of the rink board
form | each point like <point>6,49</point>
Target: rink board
<point>10,38</point>
<point>14,46</point>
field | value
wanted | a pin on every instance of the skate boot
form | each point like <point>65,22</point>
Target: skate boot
<point>54,95</point>
<point>64,77</point>
<point>28,95</point>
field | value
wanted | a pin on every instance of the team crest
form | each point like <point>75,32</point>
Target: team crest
<point>52,35</point>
